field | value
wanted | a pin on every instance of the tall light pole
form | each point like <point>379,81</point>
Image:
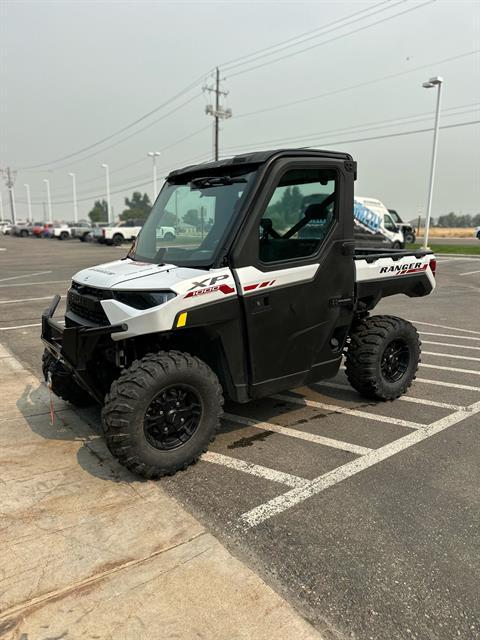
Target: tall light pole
<point>107,177</point>
<point>154,155</point>
<point>1,207</point>
<point>437,81</point>
<point>29,202</point>
<point>49,200</point>
<point>74,186</point>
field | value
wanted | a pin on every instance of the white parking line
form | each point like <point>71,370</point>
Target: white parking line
<point>254,469</point>
<point>428,403</point>
<point>447,335</point>
<point>437,366</point>
<point>442,326</point>
<point>297,495</point>
<point>26,326</point>
<point>30,300</point>
<point>26,275</point>
<point>301,435</point>
<point>33,284</point>
<point>469,273</point>
<point>448,344</point>
<point>451,385</point>
<point>449,355</point>
<point>21,326</point>
<point>350,412</point>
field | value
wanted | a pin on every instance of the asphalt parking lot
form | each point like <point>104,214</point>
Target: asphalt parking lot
<point>364,515</point>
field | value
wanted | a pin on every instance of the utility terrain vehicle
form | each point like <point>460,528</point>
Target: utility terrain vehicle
<point>260,291</point>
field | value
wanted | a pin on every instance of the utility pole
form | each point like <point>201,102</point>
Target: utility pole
<point>10,181</point>
<point>217,111</point>
<point>29,202</point>
<point>1,207</point>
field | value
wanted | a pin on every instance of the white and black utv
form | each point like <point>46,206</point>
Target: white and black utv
<point>260,291</point>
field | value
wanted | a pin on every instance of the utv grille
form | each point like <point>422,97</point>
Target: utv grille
<point>85,302</point>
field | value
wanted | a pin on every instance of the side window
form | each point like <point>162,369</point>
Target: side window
<point>299,215</point>
<point>389,223</point>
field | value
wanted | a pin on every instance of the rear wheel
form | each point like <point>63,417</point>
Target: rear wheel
<point>63,235</point>
<point>162,413</point>
<point>23,233</point>
<point>117,239</point>
<point>169,236</point>
<point>382,357</point>
<point>63,383</point>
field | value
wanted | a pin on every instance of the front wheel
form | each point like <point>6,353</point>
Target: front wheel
<point>383,355</point>
<point>409,237</point>
<point>162,413</point>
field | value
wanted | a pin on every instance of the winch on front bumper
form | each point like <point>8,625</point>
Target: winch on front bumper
<point>74,345</point>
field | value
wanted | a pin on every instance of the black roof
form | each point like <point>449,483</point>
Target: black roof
<point>257,158</point>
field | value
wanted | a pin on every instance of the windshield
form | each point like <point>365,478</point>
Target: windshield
<point>394,215</point>
<point>189,220</point>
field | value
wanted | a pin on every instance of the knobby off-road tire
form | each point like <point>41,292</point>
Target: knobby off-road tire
<point>63,383</point>
<point>149,405</point>
<point>382,357</point>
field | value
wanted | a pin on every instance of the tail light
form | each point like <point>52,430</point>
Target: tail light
<point>103,232</point>
<point>433,266</point>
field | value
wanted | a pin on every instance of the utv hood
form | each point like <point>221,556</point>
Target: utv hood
<point>130,275</point>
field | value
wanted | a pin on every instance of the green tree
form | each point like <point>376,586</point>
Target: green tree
<point>192,217</point>
<point>99,213</point>
<point>138,207</point>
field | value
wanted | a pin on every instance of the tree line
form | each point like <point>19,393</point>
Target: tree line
<point>454,220</point>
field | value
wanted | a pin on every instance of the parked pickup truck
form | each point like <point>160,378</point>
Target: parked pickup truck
<point>81,230</point>
<point>61,232</point>
<point>128,231</point>
<point>262,302</point>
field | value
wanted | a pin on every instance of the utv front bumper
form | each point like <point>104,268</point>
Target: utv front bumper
<point>74,346</point>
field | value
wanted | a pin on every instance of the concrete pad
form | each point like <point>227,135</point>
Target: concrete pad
<point>88,550</point>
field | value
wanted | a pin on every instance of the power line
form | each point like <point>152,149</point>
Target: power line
<point>366,126</point>
<point>187,89</point>
<point>164,148</point>
<point>312,146</point>
<point>355,86</point>
<point>130,135</point>
<point>302,37</point>
<point>339,37</point>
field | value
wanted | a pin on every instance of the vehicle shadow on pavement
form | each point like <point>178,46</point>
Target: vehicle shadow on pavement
<point>81,426</point>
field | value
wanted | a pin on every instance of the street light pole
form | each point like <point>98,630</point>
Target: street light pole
<point>154,155</point>
<point>29,202</point>
<point>74,186</point>
<point>109,206</point>
<point>1,207</point>
<point>49,200</point>
<point>433,82</point>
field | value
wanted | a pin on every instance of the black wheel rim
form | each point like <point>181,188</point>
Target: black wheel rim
<point>395,360</point>
<point>172,417</point>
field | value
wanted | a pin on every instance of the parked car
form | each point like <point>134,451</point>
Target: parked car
<point>477,233</point>
<point>5,227</point>
<point>128,231</point>
<point>374,226</point>
<point>61,231</point>
<point>38,228</point>
<point>81,230</point>
<point>409,233</point>
<point>21,229</point>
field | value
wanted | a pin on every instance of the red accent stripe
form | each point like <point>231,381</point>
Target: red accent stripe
<point>249,287</point>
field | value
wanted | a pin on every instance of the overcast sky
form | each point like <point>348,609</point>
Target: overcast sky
<point>73,73</point>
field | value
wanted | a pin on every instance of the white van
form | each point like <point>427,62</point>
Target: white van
<point>374,226</point>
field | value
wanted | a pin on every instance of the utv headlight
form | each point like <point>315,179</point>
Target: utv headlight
<point>143,299</point>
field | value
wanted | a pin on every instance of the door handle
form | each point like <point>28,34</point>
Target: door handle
<point>260,304</point>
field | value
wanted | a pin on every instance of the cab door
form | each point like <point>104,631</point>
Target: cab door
<point>295,274</point>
